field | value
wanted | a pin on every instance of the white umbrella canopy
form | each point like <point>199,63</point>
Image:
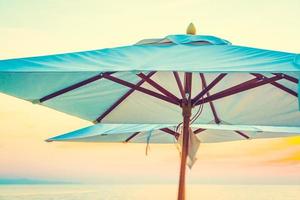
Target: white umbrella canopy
<point>110,102</point>
<point>168,133</point>
<point>177,79</point>
<point>101,86</point>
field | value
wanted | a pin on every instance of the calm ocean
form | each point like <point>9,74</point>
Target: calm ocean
<point>148,192</point>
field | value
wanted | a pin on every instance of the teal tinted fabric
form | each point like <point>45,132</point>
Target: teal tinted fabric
<point>185,39</point>
<point>120,132</point>
<point>90,101</point>
<point>265,105</point>
<point>299,95</point>
<point>87,102</point>
<point>109,129</point>
<point>220,56</point>
<point>33,78</point>
<point>31,86</point>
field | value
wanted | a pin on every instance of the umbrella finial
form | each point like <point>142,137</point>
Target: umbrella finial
<point>191,29</point>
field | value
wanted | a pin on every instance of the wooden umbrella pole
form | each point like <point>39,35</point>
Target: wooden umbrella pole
<point>186,113</point>
<point>184,151</point>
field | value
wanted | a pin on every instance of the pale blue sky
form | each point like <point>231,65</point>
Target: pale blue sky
<point>49,26</point>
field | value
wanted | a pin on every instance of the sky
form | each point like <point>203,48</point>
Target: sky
<point>34,27</point>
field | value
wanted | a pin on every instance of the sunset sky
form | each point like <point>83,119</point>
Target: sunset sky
<point>36,27</point>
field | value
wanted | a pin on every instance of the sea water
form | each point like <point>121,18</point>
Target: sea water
<point>148,192</point>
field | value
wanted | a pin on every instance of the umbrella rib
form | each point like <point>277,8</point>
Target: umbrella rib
<point>171,132</point>
<point>120,100</point>
<point>288,77</point>
<point>73,87</point>
<point>288,90</point>
<point>242,134</point>
<point>131,136</point>
<point>188,84</point>
<point>140,89</point>
<point>157,86</point>
<point>179,83</point>
<point>208,88</point>
<point>199,130</point>
<point>211,104</point>
<point>278,85</point>
<point>248,85</point>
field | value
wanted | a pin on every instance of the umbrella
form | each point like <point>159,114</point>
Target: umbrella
<point>178,79</point>
<point>166,133</point>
